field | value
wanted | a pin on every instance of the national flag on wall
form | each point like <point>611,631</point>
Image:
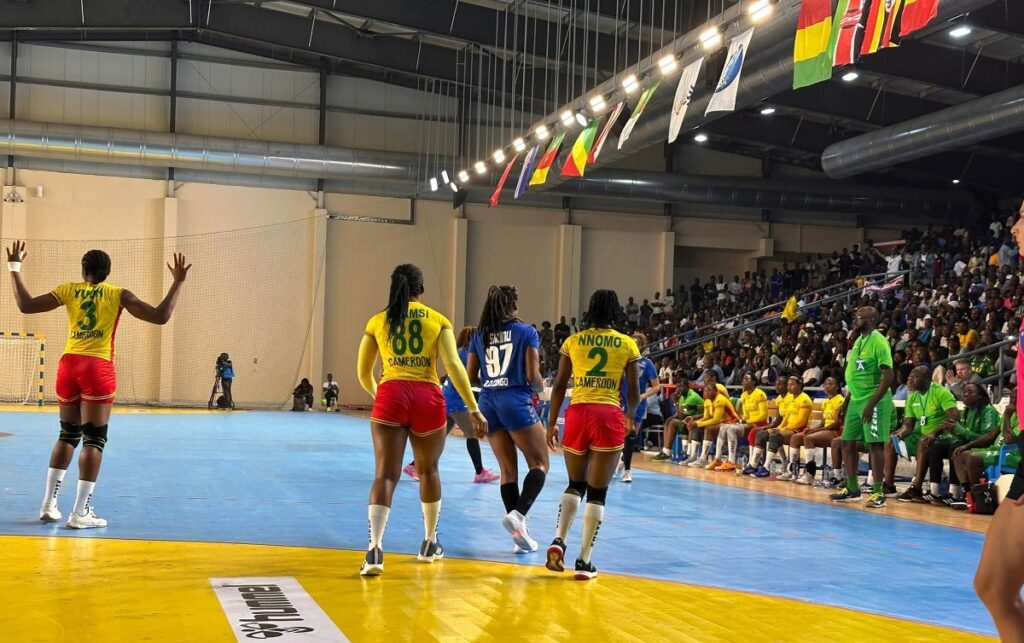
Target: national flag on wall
<point>599,143</point>
<point>684,92</point>
<point>501,181</point>
<point>849,32</point>
<point>812,58</point>
<point>540,175</point>
<point>524,174</point>
<point>724,98</point>
<point>576,162</point>
<point>883,26</point>
<point>637,112</point>
<point>917,14</point>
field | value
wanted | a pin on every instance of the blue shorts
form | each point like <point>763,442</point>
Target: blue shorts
<point>452,400</point>
<point>641,412</point>
<point>509,409</point>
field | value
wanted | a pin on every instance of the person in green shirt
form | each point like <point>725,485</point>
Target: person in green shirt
<point>930,412</point>
<point>867,409</point>
<point>689,403</point>
<point>983,365</point>
<point>972,459</point>
<point>979,418</point>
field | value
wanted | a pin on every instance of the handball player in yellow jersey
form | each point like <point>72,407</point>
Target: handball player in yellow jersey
<point>595,426</point>
<point>408,404</point>
<point>86,380</point>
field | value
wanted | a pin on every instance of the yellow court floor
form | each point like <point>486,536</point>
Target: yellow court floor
<point>93,589</point>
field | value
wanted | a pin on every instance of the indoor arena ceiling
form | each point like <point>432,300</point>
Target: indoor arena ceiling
<point>412,42</point>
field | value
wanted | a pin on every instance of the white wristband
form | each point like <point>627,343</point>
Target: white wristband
<point>14,266</point>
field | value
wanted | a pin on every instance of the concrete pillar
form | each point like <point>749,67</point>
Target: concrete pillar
<point>667,258</point>
<point>569,263</point>
<point>457,276</point>
<point>318,295</point>
<point>165,392</point>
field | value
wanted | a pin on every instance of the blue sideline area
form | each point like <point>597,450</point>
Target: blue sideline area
<point>302,480</point>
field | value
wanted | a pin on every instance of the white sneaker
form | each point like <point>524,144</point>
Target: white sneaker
<point>786,477</point>
<point>627,477</point>
<point>700,463</point>
<point>806,478</point>
<point>515,524</point>
<point>50,513</point>
<point>519,551</point>
<point>88,521</point>
<point>619,468</point>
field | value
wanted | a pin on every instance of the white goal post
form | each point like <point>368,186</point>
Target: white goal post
<point>24,358</point>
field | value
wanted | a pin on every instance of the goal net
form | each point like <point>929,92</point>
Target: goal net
<point>250,293</point>
<point>22,375</point>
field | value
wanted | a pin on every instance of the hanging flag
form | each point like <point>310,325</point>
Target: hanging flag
<point>883,26</point>
<point>917,14</point>
<point>850,18</point>
<point>524,174</point>
<point>501,181</point>
<point>812,59</point>
<point>789,312</point>
<point>724,98</point>
<point>684,92</point>
<point>599,143</point>
<point>540,175</point>
<point>576,162</point>
<point>641,104</point>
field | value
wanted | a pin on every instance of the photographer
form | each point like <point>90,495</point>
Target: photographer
<point>225,375</point>
<point>302,396</point>
<point>330,389</point>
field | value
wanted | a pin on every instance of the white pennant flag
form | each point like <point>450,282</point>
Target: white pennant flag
<point>684,91</point>
<point>724,99</point>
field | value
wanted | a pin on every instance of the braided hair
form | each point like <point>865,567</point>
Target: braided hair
<point>406,283</point>
<point>96,264</point>
<point>604,308</point>
<point>499,308</point>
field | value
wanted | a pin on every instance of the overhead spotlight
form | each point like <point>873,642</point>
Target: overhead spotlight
<point>767,111</point>
<point>851,76</point>
<point>701,138</point>
<point>568,118</point>
<point>711,38</point>
<point>542,133</point>
<point>581,119</point>
<point>454,187</point>
<point>956,181</point>
<point>433,184</point>
<point>960,32</point>
<point>444,176</point>
<point>760,10</point>
<point>499,156</point>
<point>480,167</point>
<point>463,176</point>
<point>668,64</point>
<point>597,104</point>
<point>629,83</point>
<point>519,144</point>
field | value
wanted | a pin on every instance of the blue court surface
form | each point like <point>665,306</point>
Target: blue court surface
<point>302,480</point>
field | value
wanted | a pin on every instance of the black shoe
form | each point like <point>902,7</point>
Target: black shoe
<point>959,505</point>
<point>890,490</point>
<point>925,498</point>
<point>556,556</point>
<point>945,500</point>
<point>585,571</point>
<point>911,494</point>
<point>374,563</point>
<point>661,457</point>
<point>430,551</point>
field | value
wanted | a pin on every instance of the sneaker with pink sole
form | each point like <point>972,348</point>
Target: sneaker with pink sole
<point>410,470</point>
<point>485,476</point>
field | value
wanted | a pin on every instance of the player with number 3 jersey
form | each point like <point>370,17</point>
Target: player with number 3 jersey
<point>504,358</point>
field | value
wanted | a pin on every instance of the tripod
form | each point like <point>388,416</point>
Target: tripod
<point>213,394</point>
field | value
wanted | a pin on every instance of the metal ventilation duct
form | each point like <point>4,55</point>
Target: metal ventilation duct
<point>947,129</point>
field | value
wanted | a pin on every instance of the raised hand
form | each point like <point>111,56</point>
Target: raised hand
<point>179,270</point>
<point>16,253</point>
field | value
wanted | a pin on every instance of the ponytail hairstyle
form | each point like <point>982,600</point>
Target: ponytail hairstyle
<point>499,309</point>
<point>604,308</point>
<point>466,336</point>
<point>406,283</point>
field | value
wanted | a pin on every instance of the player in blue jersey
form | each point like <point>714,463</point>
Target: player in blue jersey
<point>458,415</point>
<point>504,358</point>
<point>649,386</point>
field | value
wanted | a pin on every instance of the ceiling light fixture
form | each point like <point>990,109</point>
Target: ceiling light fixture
<point>581,119</point>
<point>597,104</point>
<point>542,133</point>
<point>519,144</point>
<point>463,176</point>
<point>711,38</point>
<point>433,184</point>
<point>480,167</point>
<point>956,181</point>
<point>629,83</point>
<point>668,64</point>
<point>760,10</point>
<point>444,176</point>
<point>767,111</point>
<point>851,76</point>
<point>499,156</point>
<point>567,118</point>
<point>701,138</point>
<point>960,31</point>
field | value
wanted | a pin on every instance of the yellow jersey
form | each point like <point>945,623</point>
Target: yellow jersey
<point>411,353</point>
<point>93,313</point>
<point>830,409</point>
<point>783,403</point>
<point>599,357</point>
<point>717,411</point>
<point>754,406</point>
<point>798,413</point>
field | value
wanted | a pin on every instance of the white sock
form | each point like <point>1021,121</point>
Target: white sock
<point>705,449</point>
<point>934,488</point>
<point>54,478</point>
<point>786,452</point>
<point>566,514</point>
<point>955,491</point>
<point>431,513</point>
<point>693,449</point>
<point>769,459</point>
<point>593,514</point>
<point>720,445</point>
<point>666,451</point>
<point>818,453</point>
<point>378,517</point>
<point>84,497</point>
<point>733,446</point>
<point>755,456</point>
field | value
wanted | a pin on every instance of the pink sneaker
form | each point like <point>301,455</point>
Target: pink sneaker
<point>410,470</point>
<point>485,476</point>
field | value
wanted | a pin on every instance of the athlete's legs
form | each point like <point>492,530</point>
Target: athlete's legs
<point>465,424</point>
<point>532,442</point>
<point>851,459</point>
<point>876,458</point>
<point>427,451</point>
<point>90,458</point>
<point>1000,573</point>
<point>924,446</point>
<point>508,463</point>
<point>576,467</point>
<point>388,449</point>
<point>970,468</point>
<point>836,447</point>
<point>60,456</point>
<point>711,437</point>
<point>670,435</point>
<point>599,474</point>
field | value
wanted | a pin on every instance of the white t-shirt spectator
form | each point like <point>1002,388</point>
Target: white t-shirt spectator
<point>735,289</point>
<point>720,287</point>
<point>959,267</point>
<point>812,375</point>
<point>670,302</point>
<point>893,263</point>
<point>996,227</point>
<point>657,307</point>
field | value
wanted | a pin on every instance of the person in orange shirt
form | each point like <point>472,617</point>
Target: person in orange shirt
<point>795,421</point>
<point>86,379</point>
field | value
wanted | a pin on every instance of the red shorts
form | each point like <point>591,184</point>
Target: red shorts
<point>594,427</point>
<point>81,378</point>
<point>417,406</point>
<point>753,432</point>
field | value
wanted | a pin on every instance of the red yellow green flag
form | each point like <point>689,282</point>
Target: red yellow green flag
<point>540,175</point>
<point>917,14</point>
<point>812,57</point>
<point>576,163</point>
<point>883,26</point>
